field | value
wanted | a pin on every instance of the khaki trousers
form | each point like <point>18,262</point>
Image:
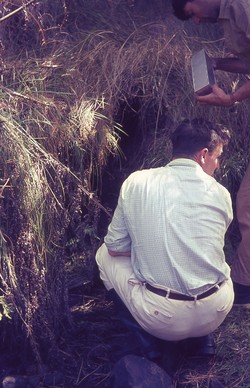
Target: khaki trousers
<point>164,318</point>
<point>241,263</point>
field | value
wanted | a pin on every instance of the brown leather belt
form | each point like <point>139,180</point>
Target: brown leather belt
<point>174,295</point>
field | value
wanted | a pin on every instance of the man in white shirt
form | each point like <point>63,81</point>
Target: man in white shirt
<point>163,253</point>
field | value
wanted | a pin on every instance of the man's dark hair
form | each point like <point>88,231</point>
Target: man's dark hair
<point>178,8</point>
<point>193,135</point>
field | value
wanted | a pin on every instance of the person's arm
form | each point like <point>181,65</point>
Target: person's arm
<point>117,240</point>
<point>232,65</point>
<point>220,98</point>
<point>112,253</point>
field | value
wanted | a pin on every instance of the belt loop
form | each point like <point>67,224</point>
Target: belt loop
<point>167,294</point>
<point>133,281</point>
<point>195,298</point>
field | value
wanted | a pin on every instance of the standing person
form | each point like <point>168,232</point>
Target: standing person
<point>163,253</point>
<point>234,16</point>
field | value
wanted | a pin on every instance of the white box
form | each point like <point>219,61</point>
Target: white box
<point>202,73</point>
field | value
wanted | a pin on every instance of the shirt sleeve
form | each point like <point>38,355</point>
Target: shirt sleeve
<point>241,14</point>
<point>118,238</point>
<point>235,19</point>
<point>240,37</point>
<point>226,204</point>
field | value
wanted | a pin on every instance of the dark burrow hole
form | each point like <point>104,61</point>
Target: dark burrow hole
<point>139,126</point>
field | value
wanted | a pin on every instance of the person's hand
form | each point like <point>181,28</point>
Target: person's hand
<point>217,97</point>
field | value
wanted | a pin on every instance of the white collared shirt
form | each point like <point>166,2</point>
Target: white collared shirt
<point>174,220</point>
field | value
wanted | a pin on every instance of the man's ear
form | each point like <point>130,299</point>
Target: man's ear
<point>202,156</point>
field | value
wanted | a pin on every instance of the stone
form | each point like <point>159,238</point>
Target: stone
<point>14,382</point>
<point>138,372</point>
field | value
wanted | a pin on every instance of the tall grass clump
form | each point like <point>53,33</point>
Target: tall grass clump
<point>50,168</point>
<point>42,205</point>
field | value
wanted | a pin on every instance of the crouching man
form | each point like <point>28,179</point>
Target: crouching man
<point>163,253</point>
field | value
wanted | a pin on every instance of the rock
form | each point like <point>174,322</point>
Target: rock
<point>48,380</point>
<point>14,382</point>
<point>137,372</point>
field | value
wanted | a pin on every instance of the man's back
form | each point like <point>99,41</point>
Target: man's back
<point>176,217</point>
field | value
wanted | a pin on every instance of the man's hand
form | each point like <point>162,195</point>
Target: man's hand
<point>217,97</point>
<point>113,253</point>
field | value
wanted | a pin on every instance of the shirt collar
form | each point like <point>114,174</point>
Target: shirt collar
<point>185,162</point>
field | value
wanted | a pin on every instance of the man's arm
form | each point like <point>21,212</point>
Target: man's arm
<point>232,65</point>
<point>112,253</point>
<point>117,239</point>
<point>220,98</point>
